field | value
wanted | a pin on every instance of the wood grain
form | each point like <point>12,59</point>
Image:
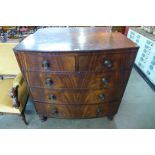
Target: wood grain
<point>95,63</point>
<point>76,111</point>
<point>76,72</point>
<point>74,40</point>
<point>76,96</point>
<point>33,62</point>
<point>77,80</point>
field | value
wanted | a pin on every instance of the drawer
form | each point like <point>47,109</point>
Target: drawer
<point>106,62</point>
<point>48,62</point>
<point>75,111</point>
<point>77,80</point>
<point>73,96</point>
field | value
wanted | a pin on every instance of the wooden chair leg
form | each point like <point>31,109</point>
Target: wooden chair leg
<point>24,118</point>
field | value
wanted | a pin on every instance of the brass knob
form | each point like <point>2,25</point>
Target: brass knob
<point>52,97</point>
<point>102,97</point>
<point>45,64</point>
<point>104,81</point>
<point>48,82</point>
<point>107,63</point>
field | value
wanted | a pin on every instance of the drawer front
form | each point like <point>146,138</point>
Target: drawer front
<point>76,96</point>
<point>75,111</point>
<point>48,62</point>
<point>106,62</point>
<point>77,80</point>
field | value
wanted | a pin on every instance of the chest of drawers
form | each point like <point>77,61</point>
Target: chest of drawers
<point>76,72</point>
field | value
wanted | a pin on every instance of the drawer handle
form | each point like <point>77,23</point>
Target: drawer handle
<point>52,97</point>
<point>45,64</point>
<point>48,82</point>
<point>104,81</point>
<point>102,97</point>
<point>54,111</point>
<point>107,63</point>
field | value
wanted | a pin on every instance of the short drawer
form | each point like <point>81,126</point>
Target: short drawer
<point>106,62</point>
<point>48,62</point>
<point>73,96</point>
<point>77,80</point>
<point>75,111</point>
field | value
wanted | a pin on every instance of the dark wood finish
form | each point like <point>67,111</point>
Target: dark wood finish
<point>80,96</point>
<point>23,112</point>
<point>75,111</point>
<point>56,62</point>
<point>74,40</point>
<point>76,96</point>
<point>24,118</point>
<point>77,80</point>
<point>76,72</point>
<point>94,62</point>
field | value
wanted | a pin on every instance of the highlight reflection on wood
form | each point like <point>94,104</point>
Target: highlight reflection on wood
<point>76,72</point>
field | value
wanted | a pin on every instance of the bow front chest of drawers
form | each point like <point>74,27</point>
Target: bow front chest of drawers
<point>76,72</point>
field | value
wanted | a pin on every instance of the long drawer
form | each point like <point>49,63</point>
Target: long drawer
<point>77,80</point>
<point>75,111</point>
<point>73,96</point>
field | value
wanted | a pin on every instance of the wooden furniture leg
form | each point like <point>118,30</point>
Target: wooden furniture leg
<point>42,118</point>
<point>24,118</point>
<point>111,117</point>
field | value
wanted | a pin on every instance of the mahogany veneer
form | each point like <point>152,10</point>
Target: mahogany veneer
<point>76,72</point>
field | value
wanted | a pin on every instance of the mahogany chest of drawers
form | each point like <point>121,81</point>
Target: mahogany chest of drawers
<point>76,72</point>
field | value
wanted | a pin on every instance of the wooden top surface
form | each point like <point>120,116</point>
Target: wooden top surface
<point>74,39</point>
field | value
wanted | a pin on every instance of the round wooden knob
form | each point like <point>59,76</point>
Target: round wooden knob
<point>107,63</point>
<point>45,64</point>
<point>48,82</point>
<point>104,81</point>
<point>52,97</point>
<point>102,97</point>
